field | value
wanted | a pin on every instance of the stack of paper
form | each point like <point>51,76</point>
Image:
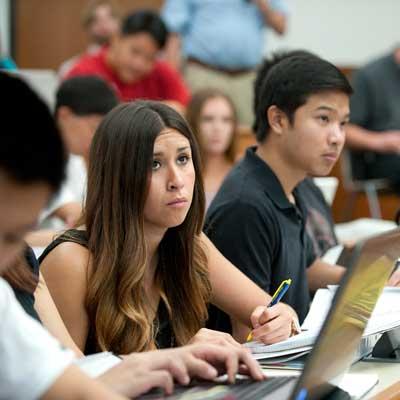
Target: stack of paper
<point>292,345</point>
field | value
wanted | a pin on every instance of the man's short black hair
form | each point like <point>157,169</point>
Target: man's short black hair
<point>31,149</point>
<point>146,21</point>
<point>288,82</point>
<point>86,95</point>
<point>263,70</point>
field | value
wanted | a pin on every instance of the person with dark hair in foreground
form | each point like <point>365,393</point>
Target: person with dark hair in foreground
<point>130,63</point>
<point>33,365</point>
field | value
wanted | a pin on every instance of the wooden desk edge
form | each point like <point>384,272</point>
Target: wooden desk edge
<point>390,393</point>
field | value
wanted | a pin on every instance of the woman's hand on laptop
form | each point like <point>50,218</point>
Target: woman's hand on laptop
<point>273,324</point>
<point>137,373</point>
<point>226,359</point>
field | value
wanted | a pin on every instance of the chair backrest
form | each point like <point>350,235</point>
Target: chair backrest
<point>347,170</point>
<point>353,184</point>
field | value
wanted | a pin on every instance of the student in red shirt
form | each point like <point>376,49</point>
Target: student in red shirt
<point>130,63</point>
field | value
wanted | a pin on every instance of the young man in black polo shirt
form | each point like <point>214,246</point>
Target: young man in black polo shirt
<point>319,220</point>
<point>257,220</point>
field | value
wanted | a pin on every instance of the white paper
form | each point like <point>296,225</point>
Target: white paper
<point>96,364</point>
<point>357,385</point>
<point>332,255</point>
<point>385,316</point>
<point>361,229</point>
<point>318,311</point>
<point>273,372</point>
<point>303,339</point>
<point>272,354</point>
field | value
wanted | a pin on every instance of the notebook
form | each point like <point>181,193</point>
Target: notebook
<point>333,352</point>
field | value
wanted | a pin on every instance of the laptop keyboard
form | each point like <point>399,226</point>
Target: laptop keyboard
<point>242,390</point>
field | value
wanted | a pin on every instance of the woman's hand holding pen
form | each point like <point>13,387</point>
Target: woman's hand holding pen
<point>272,324</point>
<point>394,279</point>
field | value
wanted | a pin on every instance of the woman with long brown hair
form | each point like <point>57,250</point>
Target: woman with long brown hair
<point>212,116</point>
<point>33,364</point>
<point>140,273</point>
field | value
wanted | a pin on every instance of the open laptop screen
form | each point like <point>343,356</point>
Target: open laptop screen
<point>333,353</point>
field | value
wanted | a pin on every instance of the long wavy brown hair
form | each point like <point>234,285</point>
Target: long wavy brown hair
<point>193,115</point>
<point>119,175</point>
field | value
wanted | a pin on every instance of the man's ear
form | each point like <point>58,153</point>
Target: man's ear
<point>277,119</point>
<point>63,112</point>
<point>115,40</point>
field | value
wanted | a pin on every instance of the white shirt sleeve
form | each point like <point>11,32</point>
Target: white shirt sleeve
<point>72,190</point>
<point>30,359</point>
<point>64,196</point>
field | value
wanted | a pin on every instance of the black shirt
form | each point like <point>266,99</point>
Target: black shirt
<point>254,225</point>
<point>375,105</point>
<point>164,336</point>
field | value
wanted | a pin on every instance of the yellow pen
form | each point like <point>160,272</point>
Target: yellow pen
<point>279,293</point>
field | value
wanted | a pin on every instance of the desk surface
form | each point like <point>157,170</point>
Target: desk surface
<point>388,387</point>
<point>388,373</point>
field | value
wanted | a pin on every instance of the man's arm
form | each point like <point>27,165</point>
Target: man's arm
<point>274,19</point>
<point>359,138</point>
<point>173,53</point>
<point>363,110</point>
<point>320,274</point>
<point>69,213</point>
<point>177,15</point>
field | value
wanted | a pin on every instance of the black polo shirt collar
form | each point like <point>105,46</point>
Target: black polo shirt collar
<point>263,173</point>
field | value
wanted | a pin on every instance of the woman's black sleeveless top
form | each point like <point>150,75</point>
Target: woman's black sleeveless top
<point>164,338</point>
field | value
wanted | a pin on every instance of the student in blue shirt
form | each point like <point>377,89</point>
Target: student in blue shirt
<point>222,42</point>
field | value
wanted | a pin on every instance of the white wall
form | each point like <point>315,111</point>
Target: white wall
<point>346,32</point>
<point>5,26</point>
